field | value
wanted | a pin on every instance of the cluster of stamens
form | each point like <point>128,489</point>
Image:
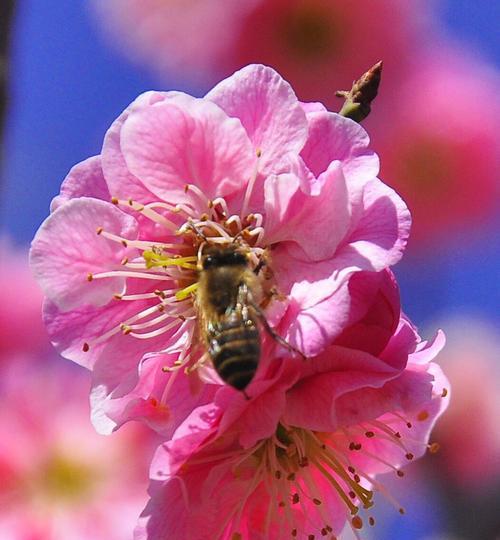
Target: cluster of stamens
<point>169,270</point>
<point>296,466</point>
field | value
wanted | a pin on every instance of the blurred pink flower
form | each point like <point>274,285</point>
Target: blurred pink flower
<point>300,459</point>
<point>317,45</point>
<point>469,435</point>
<point>59,480</point>
<point>439,151</point>
<point>248,161</point>
<point>21,327</point>
<point>175,34</point>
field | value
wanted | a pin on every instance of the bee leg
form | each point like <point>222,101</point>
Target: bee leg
<point>263,262</point>
<point>270,330</point>
<point>259,266</point>
<point>247,397</point>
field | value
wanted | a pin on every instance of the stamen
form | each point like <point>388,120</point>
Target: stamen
<point>144,296</point>
<point>219,201</point>
<point>196,191</point>
<point>250,185</point>
<point>146,211</point>
<point>184,293</point>
<point>118,273</point>
<point>157,332</point>
<point>234,219</point>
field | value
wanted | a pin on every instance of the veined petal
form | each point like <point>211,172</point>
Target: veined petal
<point>318,223</point>
<point>379,237</point>
<point>121,182</point>
<point>269,111</point>
<point>84,180</point>
<point>66,249</point>
<point>332,137</point>
<point>168,146</point>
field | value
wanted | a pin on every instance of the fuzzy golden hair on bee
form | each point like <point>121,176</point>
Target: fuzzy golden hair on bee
<point>227,290</point>
<point>228,299</point>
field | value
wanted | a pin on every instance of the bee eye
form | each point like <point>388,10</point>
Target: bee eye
<point>208,261</point>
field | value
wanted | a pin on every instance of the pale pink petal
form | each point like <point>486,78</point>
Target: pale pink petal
<point>166,514</point>
<point>256,419</point>
<point>333,137</point>
<point>377,235</point>
<point>318,223</point>
<point>70,330</point>
<point>113,380</point>
<point>121,182</point>
<point>312,106</point>
<point>402,343</point>
<point>268,110</point>
<point>168,146</point>
<point>66,249</point>
<point>312,329</point>
<point>379,238</point>
<point>148,402</point>
<point>428,350</point>
<point>84,180</point>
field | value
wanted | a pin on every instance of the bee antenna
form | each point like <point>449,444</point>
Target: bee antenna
<point>247,397</point>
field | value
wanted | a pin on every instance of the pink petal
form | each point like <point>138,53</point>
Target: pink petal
<point>428,350</point>
<point>312,106</point>
<point>146,401</point>
<point>318,223</point>
<point>170,145</point>
<point>406,392</point>
<point>312,402</point>
<point>379,237</point>
<point>257,418</point>
<point>376,295</point>
<point>84,180</point>
<point>333,137</point>
<point>66,249</point>
<point>268,110</point>
<point>113,380</point>
<point>421,408</point>
<point>312,329</point>
<point>121,182</point>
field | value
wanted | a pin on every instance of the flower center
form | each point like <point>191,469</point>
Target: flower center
<point>166,272</point>
<point>301,469</point>
<point>63,479</point>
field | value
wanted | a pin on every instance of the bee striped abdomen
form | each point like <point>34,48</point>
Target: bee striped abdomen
<point>234,346</point>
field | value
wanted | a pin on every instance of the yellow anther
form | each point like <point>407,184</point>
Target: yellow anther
<point>184,293</point>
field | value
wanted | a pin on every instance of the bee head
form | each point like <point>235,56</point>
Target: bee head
<point>223,256</point>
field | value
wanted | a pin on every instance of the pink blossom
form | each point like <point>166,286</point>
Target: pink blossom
<point>317,45</point>
<point>59,480</point>
<point>300,459</point>
<point>173,34</point>
<point>468,433</point>
<point>296,185</point>
<point>438,151</point>
<point>21,327</point>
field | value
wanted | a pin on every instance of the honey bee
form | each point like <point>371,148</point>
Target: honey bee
<point>229,314</point>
